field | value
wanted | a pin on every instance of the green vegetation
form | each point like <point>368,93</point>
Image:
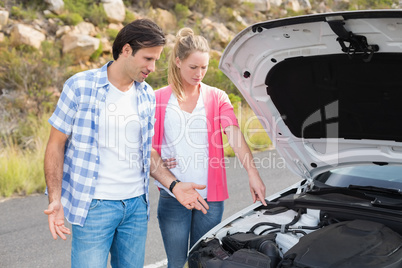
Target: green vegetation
<point>182,12</point>
<point>158,78</point>
<point>372,4</point>
<point>71,18</point>
<point>21,170</point>
<point>129,17</point>
<point>33,74</point>
<point>34,77</point>
<point>96,55</point>
<point>86,9</point>
<point>254,134</point>
<point>19,13</point>
<point>218,79</point>
<point>112,33</point>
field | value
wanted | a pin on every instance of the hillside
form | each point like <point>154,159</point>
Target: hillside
<point>44,42</point>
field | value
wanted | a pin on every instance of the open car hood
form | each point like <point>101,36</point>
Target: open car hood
<point>327,88</point>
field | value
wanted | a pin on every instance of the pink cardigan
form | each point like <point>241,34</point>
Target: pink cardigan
<point>219,112</point>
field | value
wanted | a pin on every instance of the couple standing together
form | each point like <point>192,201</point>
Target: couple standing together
<point>110,132</point>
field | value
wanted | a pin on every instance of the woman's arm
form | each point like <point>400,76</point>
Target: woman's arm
<point>242,151</point>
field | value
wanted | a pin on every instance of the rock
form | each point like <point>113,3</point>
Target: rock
<point>47,13</point>
<point>217,33</point>
<point>79,45</point>
<point>293,5</point>
<point>55,6</point>
<point>170,41</point>
<point>115,10</point>
<point>106,45</point>
<point>260,5</point>
<point>344,4</point>
<point>275,3</point>
<point>239,19</point>
<point>305,4</point>
<point>166,20</point>
<point>63,30</point>
<point>85,28</point>
<point>3,18</point>
<point>26,35</point>
<point>265,5</point>
<point>116,26</point>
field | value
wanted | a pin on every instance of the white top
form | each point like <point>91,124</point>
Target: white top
<point>186,138</point>
<point>121,168</point>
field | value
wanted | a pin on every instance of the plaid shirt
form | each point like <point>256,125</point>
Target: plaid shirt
<point>77,115</point>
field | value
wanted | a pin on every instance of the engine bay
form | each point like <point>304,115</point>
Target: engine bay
<point>299,231</point>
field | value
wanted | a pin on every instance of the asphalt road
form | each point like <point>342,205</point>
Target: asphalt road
<point>25,240</point>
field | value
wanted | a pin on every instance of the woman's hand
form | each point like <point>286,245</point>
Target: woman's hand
<point>257,188</point>
<point>170,162</point>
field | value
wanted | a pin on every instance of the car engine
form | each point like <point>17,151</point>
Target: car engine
<point>280,237</point>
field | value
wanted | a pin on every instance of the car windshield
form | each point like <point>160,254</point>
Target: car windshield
<point>378,176</point>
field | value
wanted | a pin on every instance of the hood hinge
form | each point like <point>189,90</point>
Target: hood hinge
<point>357,43</point>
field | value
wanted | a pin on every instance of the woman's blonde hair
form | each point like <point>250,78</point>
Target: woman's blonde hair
<point>186,43</point>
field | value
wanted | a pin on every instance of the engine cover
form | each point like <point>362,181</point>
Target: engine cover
<point>357,243</point>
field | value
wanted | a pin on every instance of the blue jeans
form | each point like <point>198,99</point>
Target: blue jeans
<point>178,224</point>
<point>115,226</point>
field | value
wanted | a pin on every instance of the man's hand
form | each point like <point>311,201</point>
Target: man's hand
<point>187,196</point>
<point>56,220</point>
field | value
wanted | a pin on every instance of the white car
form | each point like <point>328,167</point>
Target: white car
<point>328,88</point>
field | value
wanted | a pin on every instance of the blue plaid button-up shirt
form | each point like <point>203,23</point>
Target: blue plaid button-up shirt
<point>77,115</point>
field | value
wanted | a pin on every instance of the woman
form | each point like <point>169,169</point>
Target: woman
<point>189,117</point>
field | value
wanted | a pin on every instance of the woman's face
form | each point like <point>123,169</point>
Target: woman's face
<point>193,68</point>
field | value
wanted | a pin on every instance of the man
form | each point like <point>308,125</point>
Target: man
<point>99,156</point>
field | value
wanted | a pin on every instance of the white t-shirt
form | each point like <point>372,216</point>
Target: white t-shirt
<point>121,167</point>
<point>186,138</point>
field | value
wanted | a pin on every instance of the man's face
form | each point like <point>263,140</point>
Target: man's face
<point>139,66</point>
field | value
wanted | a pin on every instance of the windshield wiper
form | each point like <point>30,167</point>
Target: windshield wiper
<point>375,189</point>
<point>320,190</point>
<point>383,204</point>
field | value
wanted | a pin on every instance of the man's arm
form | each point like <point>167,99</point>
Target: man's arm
<point>184,191</point>
<point>54,159</point>
<point>242,151</point>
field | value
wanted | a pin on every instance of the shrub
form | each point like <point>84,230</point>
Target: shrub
<point>235,100</point>
<point>181,11</point>
<point>158,78</point>
<point>32,74</point>
<point>206,7</point>
<point>372,4</point>
<point>129,17</point>
<point>97,15</point>
<point>96,55</point>
<point>217,78</point>
<point>256,137</point>
<point>112,33</point>
<point>71,18</point>
<point>19,13</point>
<point>21,171</point>
<point>87,9</point>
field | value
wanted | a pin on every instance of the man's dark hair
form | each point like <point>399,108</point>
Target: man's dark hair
<point>141,33</point>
